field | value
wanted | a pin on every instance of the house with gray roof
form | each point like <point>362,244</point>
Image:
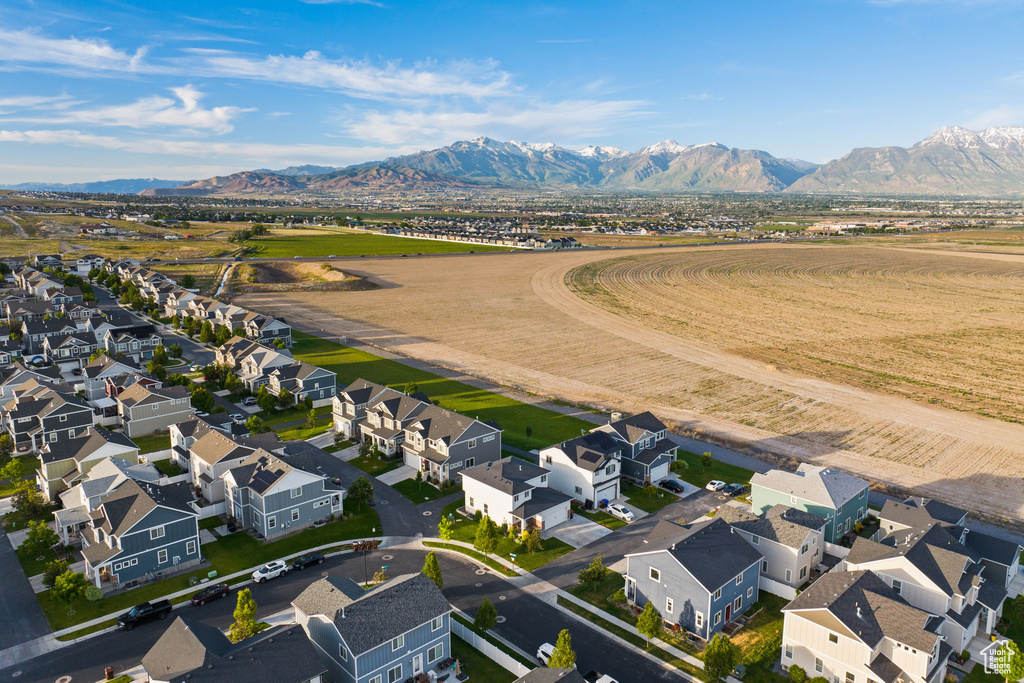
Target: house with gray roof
<point>388,634</point>
<point>588,467</point>
<point>852,626</point>
<point>440,442</point>
<point>515,492</point>
<point>647,453</point>
<point>348,406</point>
<point>137,342</point>
<point>699,576</point>
<point>146,409</point>
<point>197,653</point>
<point>304,380</point>
<point>792,541</point>
<point>69,352</point>
<point>141,530</point>
<point>214,452</point>
<point>39,414</point>
<point>840,498</point>
<point>81,499</point>
<point>63,463</point>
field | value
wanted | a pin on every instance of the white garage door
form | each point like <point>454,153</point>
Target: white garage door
<point>659,472</point>
<point>610,492</point>
<point>556,515</point>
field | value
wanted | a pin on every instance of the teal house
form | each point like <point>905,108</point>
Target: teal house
<point>841,499</point>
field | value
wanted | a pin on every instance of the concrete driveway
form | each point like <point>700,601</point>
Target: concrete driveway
<point>394,476</point>
<point>577,532</point>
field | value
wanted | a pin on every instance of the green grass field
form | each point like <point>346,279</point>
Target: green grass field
<point>698,475</point>
<point>356,245</point>
<point>648,502</point>
<point>547,427</point>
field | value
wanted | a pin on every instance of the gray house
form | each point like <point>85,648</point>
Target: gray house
<point>842,499</point>
<point>648,453</point>
<point>303,379</point>
<point>37,414</point>
<point>700,576</point>
<point>792,541</point>
<point>141,530</point>
<point>278,494</point>
<point>388,634</point>
<point>441,442</point>
<point>148,410</point>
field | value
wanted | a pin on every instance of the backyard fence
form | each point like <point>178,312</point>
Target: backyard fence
<point>491,651</point>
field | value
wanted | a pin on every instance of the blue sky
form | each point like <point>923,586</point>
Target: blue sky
<point>105,89</point>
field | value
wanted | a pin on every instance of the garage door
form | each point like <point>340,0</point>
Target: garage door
<point>610,492</point>
<point>556,515</point>
<point>659,472</point>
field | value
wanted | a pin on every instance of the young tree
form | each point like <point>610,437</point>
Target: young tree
<point>486,615</point>
<point>266,401</point>
<point>411,388</point>
<point>361,491</point>
<point>311,419</point>
<point>432,568</point>
<point>255,425</point>
<point>593,572</point>
<point>160,355</point>
<point>563,657</point>
<point>649,623</point>
<point>1011,661</point>
<point>39,539</point>
<point>69,587</point>
<point>53,570</point>
<point>188,281</point>
<point>365,448</point>
<point>486,536</point>
<point>285,398</point>
<point>529,431</point>
<point>14,470</point>
<point>202,400</point>
<point>176,322</point>
<point>532,541</point>
<point>6,446</point>
<point>720,657</point>
<point>222,336</point>
<point>244,624</point>
<point>705,459</point>
<point>444,529</point>
<point>175,350</point>
<point>206,334</point>
<point>380,576</point>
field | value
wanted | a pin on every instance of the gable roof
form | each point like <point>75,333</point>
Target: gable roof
<point>140,394</point>
<point>131,501</point>
<point>938,510</point>
<point>361,391</point>
<point>633,428</point>
<point>933,550</point>
<point>590,451</point>
<point>779,523</point>
<point>822,485</point>
<point>83,445</point>
<point>991,547</point>
<point>379,614</point>
<point>508,475</point>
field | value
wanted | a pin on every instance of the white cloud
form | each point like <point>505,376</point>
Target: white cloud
<point>87,53</point>
<point>569,119</point>
<point>1003,115</point>
<point>149,112</point>
<point>34,102</point>
<point>343,2</point>
<point>702,97</point>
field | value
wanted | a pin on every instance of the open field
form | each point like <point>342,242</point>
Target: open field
<point>940,332</point>
<point>353,245</point>
<point>282,276</point>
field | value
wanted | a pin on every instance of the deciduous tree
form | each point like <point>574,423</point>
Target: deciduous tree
<point>648,624</point>
<point>69,587</point>
<point>563,657</point>
<point>486,536</point>
<point>432,568</point>
<point>361,491</point>
<point>720,657</point>
<point>244,625</point>
<point>486,615</point>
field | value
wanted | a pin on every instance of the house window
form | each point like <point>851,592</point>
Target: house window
<point>295,515</point>
<point>789,575</point>
<point>395,675</point>
<point>789,651</point>
<point>297,492</point>
<point>579,490</point>
<point>803,549</point>
<point>668,605</point>
<point>750,592</point>
<point>833,638</point>
<point>547,459</point>
<point>698,620</point>
<point>398,643</point>
<point>755,540</point>
<point>377,679</point>
<point>739,579</point>
<point>343,653</point>
<point>63,418</point>
<point>190,548</point>
<point>543,478</point>
<point>471,501</point>
<point>718,617</point>
<point>156,532</point>
<point>655,574</point>
<point>161,556</point>
<point>271,522</point>
<point>764,565</point>
<point>718,594</point>
<point>737,603</point>
<point>436,623</point>
<point>819,665</point>
<point>851,677</point>
<point>472,443</point>
<point>469,461</point>
<point>485,508</point>
<point>897,586</point>
<point>435,653</point>
<point>803,572</point>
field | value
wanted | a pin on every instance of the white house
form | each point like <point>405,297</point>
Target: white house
<point>588,468</point>
<point>514,492</point>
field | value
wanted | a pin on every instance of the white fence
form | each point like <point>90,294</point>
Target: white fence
<point>209,510</point>
<point>837,550</point>
<point>492,652</point>
<point>776,588</point>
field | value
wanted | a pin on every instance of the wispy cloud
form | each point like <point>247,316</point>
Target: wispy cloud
<point>34,102</point>
<point>29,47</point>
<point>702,97</point>
<point>1003,115</point>
<point>343,2</point>
<point>149,112</point>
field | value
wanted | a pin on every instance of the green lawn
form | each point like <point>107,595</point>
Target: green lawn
<point>547,427</point>
<point>30,464</point>
<point>227,555</point>
<point>477,666</point>
<point>303,432</point>
<point>761,639</point>
<point>648,502</point>
<point>465,530</point>
<point>356,245</point>
<point>479,557</point>
<point>375,466</point>
<point>210,523</point>
<point>276,417</point>
<point>978,675</point>
<point>31,565</point>
<point>698,475</point>
<point>171,469</point>
<point>602,518</point>
<point>153,442</point>
<point>421,492</point>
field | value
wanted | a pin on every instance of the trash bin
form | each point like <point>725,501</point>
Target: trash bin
<point>109,673</point>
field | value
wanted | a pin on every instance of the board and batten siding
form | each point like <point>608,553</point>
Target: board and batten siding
<point>418,640</point>
<point>854,510</point>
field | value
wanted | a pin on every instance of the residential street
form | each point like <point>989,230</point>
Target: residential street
<point>23,619</point>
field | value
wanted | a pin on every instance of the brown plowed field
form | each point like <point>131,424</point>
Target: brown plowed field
<point>840,355</point>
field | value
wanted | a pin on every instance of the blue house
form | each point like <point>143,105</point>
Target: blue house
<point>141,529</point>
<point>699,576</point>
<point>840,499</point>
<point>388,634</point>
<point>648,453</point>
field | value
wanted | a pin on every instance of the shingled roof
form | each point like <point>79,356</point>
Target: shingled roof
<point>131,501</point>
<point>779,523</point>
<point>709,551</point>
<point>633,428</point>
<point>508,475</point>
<point>823,485</point>
<point>591,451</point>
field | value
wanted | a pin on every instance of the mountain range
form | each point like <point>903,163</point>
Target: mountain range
<point>952,161</point>
<point>120,186</point>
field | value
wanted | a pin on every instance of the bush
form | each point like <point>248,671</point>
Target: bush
<point>797,674</point>
<point>477,516</point>
<point>965,655</point>
<point>619,597</point>
<point>818,679</point>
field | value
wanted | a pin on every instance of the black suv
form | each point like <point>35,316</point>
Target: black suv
<point>308,560</point>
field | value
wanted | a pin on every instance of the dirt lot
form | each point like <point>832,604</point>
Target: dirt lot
<point>281,276</point>
<point>840,355</point>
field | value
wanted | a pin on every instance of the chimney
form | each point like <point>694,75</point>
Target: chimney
<point>615,417</point>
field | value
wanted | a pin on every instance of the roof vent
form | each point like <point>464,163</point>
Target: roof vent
<point>250,649</point>
<point>231,658</point>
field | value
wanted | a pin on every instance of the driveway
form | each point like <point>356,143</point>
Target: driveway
<point>578,531</point>
<point>20,614</point>
<point>394,476</point>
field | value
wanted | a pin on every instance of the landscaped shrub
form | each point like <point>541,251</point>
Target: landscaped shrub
<point>619,597</point>
<point>797,674</point>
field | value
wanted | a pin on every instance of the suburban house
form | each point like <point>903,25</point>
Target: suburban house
<point>303,379</point>
<point>266,330</point>
<point>647,452</point>
<point>177,302</point>
<point>17,375</point>
<point>139,530</point>
<point>95,372</point>
<point>514,492</point>
<point>388,634</point>
<point>138,342</point>
<point>34,332</point>
<point>349,406</point>
<point>588,467</point>
<point>10,350</point>
<point>86,262</point>
<point>81,499</point>
<point>273,496</point>
<point>69,352</point>
<point>60,297</point>
<point>25,310</point>
<point>214,453</point>
<point>699,576</point>
<point>47,261</point>
<point>256,366</point>
<point>148,410</point>
<point>840,498</point>
<point>440,442</point>
<point>231,352</point>
<point>192,651</point>
<point>386,415</point>
<point>792,541</point>
<point>37,415</point>
<point>851,626</point>
<point>63,463</point>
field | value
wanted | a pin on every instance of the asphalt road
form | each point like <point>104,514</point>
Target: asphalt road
<point>529,622</point>
<point>22,619</point>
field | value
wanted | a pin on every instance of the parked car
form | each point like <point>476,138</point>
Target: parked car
<point>620,511</point>
<point>195,368</point>
<point>672,485</point>
<point>237,418</point>
<point>296,257</point>
<point>250,401</point>
<point>734,489</point>
<point>271,570</point>
<point>308,560</point>
<point>217,590</point>
<point>544,653</point>
<point>593,676</point>
<point>715,485</point>
<point>143,612</point>
<point>200,413</point>
<point>238,258</point>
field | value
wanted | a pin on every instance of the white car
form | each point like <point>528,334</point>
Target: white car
<point>620,511</point>
<point>195,368</point>
<point>544,653</point>
<point>237,418</point>
<point>715,485</point>
<point>270,571</point>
